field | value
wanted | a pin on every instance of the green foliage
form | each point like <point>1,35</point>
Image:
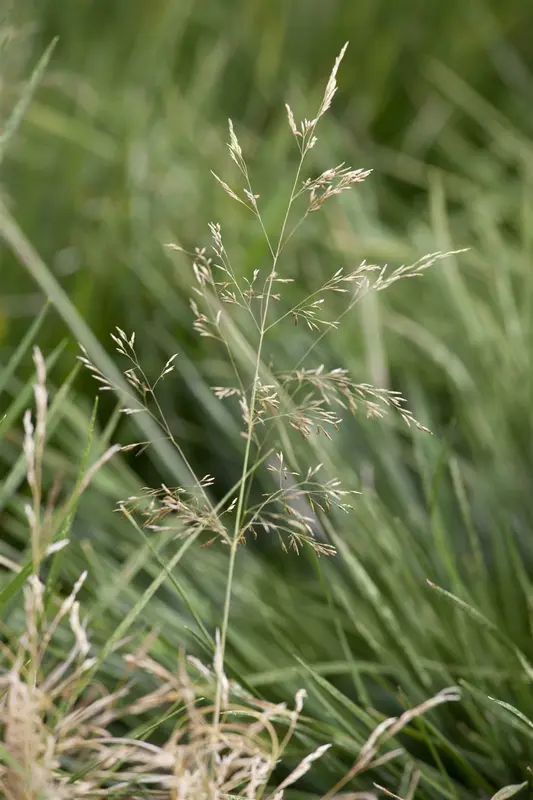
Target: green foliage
<point>111,161</point>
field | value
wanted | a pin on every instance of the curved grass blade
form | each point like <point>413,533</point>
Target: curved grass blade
<point>509,791</point>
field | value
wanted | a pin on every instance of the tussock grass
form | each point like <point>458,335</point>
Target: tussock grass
<point>56,720</point>
<point>453,508</point>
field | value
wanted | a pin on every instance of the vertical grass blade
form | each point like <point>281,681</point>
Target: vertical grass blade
<point>9,370</point>
<point>17,115</point>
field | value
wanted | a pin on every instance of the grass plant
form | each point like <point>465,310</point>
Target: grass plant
<point>428,584</point>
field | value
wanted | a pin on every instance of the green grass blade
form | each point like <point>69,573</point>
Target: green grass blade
<point>15,584</point>
<point>63,526</point>
<point>12,234</point>
<point>480,618</point>
<point>17,356</point>
<point>509,791</point>
<point>17,115</point>
<point>514,711</point>
<point>174,581</point>
<point>468,609</point>
<point>132,615</point>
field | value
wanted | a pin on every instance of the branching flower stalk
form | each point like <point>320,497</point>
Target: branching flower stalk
<point>306,138</point>
<point>313,410</point>
<point>305,400</point>
<point>143,388</point>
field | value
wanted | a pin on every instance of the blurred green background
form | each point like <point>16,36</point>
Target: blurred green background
<point>113,159</point>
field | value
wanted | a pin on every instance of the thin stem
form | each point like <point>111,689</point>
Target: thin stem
<point>291,234</point>
<point>251,414</point>
<point>162,421</point>
<point>236,532</point>
<point>355,299</point>
<point>259,217</point>
<point>302,304</point>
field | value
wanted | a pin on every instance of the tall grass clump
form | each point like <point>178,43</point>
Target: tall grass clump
<point>194,734</point>
<point>188,730</point>
<point>279,408</point>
